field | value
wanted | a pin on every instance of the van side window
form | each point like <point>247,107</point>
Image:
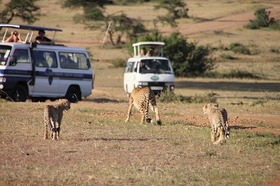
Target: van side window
<point>51,59</point>
<point>45,59</point>
<point>129,67</point>
<point>71,60</point>
<point>21,56</point>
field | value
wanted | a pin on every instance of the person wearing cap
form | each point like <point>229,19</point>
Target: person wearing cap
<point>15,37</point>
<point>41,38</point>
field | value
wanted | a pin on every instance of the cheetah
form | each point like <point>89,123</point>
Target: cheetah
<point>218,119</point>
<point>142,98</point>
<point>53,114</point>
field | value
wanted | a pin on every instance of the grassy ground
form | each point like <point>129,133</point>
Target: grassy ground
<point>98,148</point>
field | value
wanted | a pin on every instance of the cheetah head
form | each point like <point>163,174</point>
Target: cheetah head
<point>65,104</point>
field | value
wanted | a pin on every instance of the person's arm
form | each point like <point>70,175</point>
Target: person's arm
<point>9,39</point>
<point>19,38</point>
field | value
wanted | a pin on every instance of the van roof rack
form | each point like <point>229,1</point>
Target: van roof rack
<point>30,28</point>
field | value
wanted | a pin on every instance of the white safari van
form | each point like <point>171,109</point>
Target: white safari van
<point>29,70</point>
<point>148,67</point>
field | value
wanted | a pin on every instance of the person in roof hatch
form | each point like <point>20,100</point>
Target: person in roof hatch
<point>41,38</point>
<point>15,37</point>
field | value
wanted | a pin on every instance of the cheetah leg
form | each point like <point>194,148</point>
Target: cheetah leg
<point>145,112</point>
<point>157,115</point>
<point>213,134</point>
<point>54,136</point>
<point>221,139</point>
<point>129,109</point>
<point>58,137</point>
<point>227,133</point>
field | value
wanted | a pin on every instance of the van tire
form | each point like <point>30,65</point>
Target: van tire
<point>20,94</point>
<point>73,94</point>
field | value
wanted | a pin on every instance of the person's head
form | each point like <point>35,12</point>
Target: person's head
<point>41,33</point>
<point>143,51</point>
<point>15,33</point>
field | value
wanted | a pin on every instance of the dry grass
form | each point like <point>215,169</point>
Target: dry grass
<point>98,148</point>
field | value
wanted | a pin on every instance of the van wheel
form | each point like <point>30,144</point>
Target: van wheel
<point>73,95</point>
<point>20,94</point>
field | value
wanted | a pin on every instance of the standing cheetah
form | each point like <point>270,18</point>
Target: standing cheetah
<point>142,98</point>
<point>53,114</point>
<point>219,123</point>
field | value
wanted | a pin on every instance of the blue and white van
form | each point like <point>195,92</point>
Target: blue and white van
<point>29,70</point>
<point>148,67</point>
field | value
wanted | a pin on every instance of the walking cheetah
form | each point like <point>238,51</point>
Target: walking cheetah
<point>142,98</point>
<point>53,114</point>
<point>219,123</point>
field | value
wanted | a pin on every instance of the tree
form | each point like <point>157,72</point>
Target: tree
<point>176,9</point>
<point>26,10</point>
<point>94,17</point>
<point>187,59</point>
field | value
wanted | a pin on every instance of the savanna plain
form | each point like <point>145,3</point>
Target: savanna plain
<point>98,148</point>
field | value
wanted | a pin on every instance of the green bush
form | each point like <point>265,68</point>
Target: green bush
<point>275,50</point>
<point>262,19</point>
<point>187,59</point>
<point>227,56</point>
<point>275,25</point>
<point>239,48</point>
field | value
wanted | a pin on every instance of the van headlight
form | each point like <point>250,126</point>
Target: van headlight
<point>2,79</point>
<point>140,83</point>
<point>169,86</point>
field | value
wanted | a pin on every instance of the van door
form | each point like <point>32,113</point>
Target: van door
<point>19,72</point>
<point>46,74</point>
<point>129,76</point>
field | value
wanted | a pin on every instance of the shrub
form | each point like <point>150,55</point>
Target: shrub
<point>262,19</point>
<point>239,48</point>
<point>227,56</point>
<point>275,25</point>
<point>275,50</point>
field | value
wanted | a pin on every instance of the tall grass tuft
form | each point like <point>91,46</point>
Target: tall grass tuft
<point>240,74</point>
<point>239,48</point>
<point>170,96</point>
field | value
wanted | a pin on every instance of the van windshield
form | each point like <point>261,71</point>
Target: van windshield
<point>156,66</point>
<point>4,54</point>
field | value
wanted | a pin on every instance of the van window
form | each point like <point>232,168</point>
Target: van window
<point>4,54</point>
<point>45,59</point>
<point>129,67</point>
<point>157,66</point>
<point>21,56</point>
<point>71,60</point>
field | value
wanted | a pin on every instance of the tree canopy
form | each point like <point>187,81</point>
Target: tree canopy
<point>26,10</point>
